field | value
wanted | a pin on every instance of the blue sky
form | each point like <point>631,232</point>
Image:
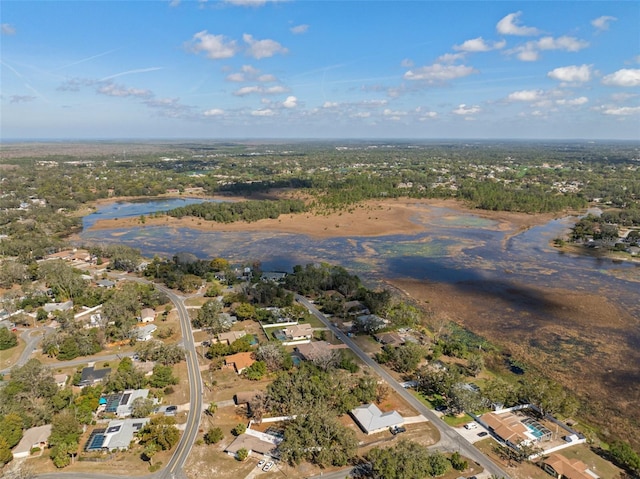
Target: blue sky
<point>320,69</point>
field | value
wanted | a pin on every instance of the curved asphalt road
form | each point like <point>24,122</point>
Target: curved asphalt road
<point>450,440</point>
<point>173,469</point>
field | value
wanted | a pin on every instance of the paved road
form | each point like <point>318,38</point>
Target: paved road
<point>173,469</point>
<point>450,440</point>
<point>180,455</point>
<point>32,338</point>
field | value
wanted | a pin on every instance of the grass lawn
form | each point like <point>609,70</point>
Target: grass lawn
<point>457,420</point>
<point>196,301</point>
<point>594,462</point>
<point>9,357</point>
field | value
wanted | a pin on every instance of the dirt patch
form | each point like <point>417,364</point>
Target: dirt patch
<point>581,339</point>
<point>371,218</point>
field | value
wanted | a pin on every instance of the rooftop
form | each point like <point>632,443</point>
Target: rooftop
<point>371,419</point>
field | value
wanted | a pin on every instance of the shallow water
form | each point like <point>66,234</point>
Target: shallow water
<point>457,247</point>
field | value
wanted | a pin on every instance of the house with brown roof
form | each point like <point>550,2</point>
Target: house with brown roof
<point>315,350</point>
<point>239,361</point>
<point>392,338</point>
<point>298,332</point>
<point>508,427</point>
<point>230,336</point>
<point>561,467</point>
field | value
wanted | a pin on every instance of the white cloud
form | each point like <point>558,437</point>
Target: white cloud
<point>7,29</point>
<point>450,57</point>
<point>479,45</point>
<point>264,112</point>
<point>362,114</point>
<point>602,23</point>
<point>249,73</point>
<point>530,51</point>
<point>21,98</point>
<point>290,102</point>
<point>525,95</point>
<point>248,90</point>
<point>329,104</point>
<point>622,110</point>
<point>388,112</point>
<point>573,101</point>
<point>216,47</point>
<point>174,3</point>
<point>466,110</point>
<point>299,29</point>
<point>510,25</point>
<point>249,3</point>
<point>111,89</point>
<point>571,74</point>
<point>406,63</point>
<point>214,112</point>
<point>262,48</point>
<point>624,77</point>
<point>439,73</point>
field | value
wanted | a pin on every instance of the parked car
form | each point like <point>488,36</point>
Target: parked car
<point>397,430</point>
<point>482,433</point>
<point>470,425</point>
<point>267,466</point>
<point>441,408</point>
<point>261,463</point>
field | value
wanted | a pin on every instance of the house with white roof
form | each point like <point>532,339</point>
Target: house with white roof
<point>371,420</point>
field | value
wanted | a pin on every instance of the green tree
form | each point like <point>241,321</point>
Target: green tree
<point>148,452</point>
<point>210,319</point>
<point>8,339</point>
<point>256,371</point>
<point>623,454</point>
<point>5,452</point>
<point>160,431</point>
<point>213,435</point>
<point>11,429</point>
<point>242,454</point>
<point>239,429</point>
<point>141,407</point>
<point>162,376</point>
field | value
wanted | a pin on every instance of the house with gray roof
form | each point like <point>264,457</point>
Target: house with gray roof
<point>91,376</point>
<point>371,420</point>
<point>33,437</point>
<point>117,436</point>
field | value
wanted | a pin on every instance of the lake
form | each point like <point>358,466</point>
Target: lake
<point>457,247</point>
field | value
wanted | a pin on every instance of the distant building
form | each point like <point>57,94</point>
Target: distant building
<point>231,336</point>
<point>60,380</point>
<point>91,376</point>
<point>315,350</point>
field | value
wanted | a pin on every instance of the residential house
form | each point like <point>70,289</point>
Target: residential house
<point>60,380</point>
<point>147,315</point>
<point>562,468</point>
<point>105,283</point>
<point>245,397</point>
<point>315,350</point>
<point>239,361</point>
<point>273,276</point>
<point>391,338</point>
<point>117,436</point>
<point>145,332</point>
<point>508,427</point>
<point>91,376</point>
<point>370,322</point>
<point>33,437</point>
<point>230,336</point>
<point>298,332</point>
<point>125,408</point>
<point>371,420</point>
<point>259,445</point>
<point>145,366</point>
<point>51,307</point>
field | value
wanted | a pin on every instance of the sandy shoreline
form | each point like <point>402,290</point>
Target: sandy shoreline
<point>371,218</point>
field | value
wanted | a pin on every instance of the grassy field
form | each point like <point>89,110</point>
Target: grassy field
<point>9,357</point>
